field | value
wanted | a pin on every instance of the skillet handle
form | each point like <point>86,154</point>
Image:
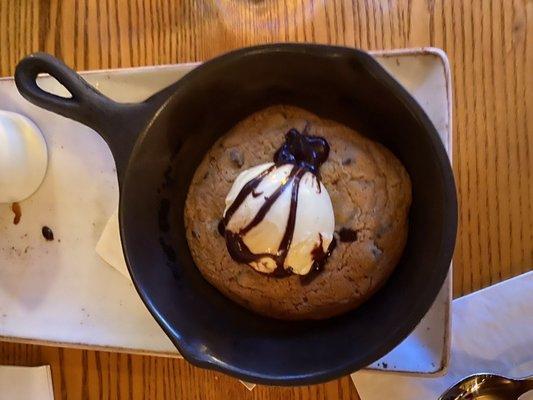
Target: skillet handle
<point>119,124</point>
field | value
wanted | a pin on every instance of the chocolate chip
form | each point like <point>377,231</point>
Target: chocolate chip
<point>195,234</point>
<point>347,161</point>
<point>376,251</point>
<point>48,234</point>
<point>347,235</point>
<point>236,156</point>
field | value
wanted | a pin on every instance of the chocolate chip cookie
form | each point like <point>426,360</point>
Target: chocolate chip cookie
<point>370,192</point>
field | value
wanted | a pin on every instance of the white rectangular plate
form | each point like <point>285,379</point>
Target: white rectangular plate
<point>62,293</point>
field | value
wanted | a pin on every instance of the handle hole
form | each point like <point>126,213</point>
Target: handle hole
<point>51,85</point>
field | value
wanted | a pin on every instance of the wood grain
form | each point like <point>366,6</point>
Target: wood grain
<point>489,43</point>
<point>80,374</point>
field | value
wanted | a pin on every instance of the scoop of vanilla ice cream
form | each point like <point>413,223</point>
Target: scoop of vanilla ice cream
<point>314,224</point>
<point>23,157</point>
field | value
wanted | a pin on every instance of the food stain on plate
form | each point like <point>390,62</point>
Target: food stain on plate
<point>15,207</point>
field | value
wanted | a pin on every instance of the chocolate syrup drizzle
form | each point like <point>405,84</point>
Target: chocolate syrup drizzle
<point>306,154</point>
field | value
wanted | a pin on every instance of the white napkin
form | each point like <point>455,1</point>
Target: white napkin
<point>492,331</point>
<point>23,383</point>
<point>110,248</point>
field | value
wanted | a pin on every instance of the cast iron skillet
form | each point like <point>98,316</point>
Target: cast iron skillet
<point>158,144</point>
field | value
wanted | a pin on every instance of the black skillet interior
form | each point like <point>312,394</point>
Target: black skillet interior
<point>211,331</point>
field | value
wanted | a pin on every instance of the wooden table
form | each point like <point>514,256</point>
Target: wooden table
<point>489,43</point>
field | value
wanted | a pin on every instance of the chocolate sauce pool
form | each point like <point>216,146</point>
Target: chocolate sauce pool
<point>306,154</point>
